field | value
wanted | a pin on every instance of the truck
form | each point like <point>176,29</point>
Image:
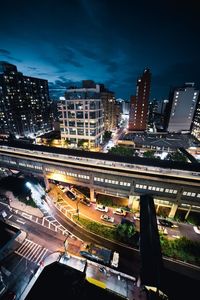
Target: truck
<point>101,254</point>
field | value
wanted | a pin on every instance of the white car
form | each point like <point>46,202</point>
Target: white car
<point>119,211</point>
<point>101,207</point>
<point>107,218</point>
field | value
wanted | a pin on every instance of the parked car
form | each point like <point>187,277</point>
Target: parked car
<point>85,201</point>
<point>71,195</point>
<point>166,223</point>
<point>107,218</point>
<point>119,211</point>
<point>101,207</point>
<point>162,230</point>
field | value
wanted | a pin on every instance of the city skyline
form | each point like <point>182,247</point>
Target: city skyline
<point>110,42</point>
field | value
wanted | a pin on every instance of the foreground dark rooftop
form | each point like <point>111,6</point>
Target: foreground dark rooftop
<point>58,281</point>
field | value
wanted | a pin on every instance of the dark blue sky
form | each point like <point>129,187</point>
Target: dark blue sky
<point>109,41</point>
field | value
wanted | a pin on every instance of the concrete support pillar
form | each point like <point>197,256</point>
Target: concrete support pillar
<point>173,210</point>
<point>187,214</point>
<point>92,198</point>
<point>133,202</point>
<point>46,181</point>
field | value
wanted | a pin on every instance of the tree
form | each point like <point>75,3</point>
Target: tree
<point>149,154</point>
<point>123,151</point>
<point>176,156</point>
<point>125,231</point>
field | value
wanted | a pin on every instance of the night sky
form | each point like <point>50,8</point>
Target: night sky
<point>109,41</point>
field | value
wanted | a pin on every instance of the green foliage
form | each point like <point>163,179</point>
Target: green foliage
<point>176,156</point>
<point>125,232</point>
<point>149,154</point>
<point>182,249</point>
<point>123,151</point>
<point>100,229</point>
<point>106,201</point>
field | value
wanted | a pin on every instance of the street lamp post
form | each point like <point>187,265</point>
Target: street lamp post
<point>77,208</point>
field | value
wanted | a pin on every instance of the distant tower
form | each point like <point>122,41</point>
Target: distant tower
<point>139,103</point>
<point>181,107</point>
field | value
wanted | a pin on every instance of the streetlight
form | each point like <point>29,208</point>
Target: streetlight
<point>77,208</point>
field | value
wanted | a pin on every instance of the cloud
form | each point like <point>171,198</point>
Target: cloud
<point>32,68</point>
<point>4,52</point>
<point>58,88</point>
<point>68,55</point>
<point>7,54</point>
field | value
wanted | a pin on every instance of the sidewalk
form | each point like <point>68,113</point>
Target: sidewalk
<point>13,246</point>
<point>47,261</point>
<point>16,204</point>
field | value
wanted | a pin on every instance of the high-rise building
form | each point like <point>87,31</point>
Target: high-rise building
<point>139,103</point>
<point>25,106</point>
<point>81,116</point>
<point>181,107</point>
<point>196,121</point>
<point>124,106</point>
<point>109,108</point>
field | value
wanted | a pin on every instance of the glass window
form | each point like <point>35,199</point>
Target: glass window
<point>72,123</point>
<point>79,115</point>
<point>92,115</point>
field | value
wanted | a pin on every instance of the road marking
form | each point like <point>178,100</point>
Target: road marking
<point>21,221</point>
<point>26,216</point>
<point>32,251</point>
<point>41,256</point>
<point>10,216</point>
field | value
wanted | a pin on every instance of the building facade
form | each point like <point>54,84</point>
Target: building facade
<point>196,121</point>
<point>180,109</point>
<point>81,117</point>
<point>139,104</point>
<point>110,111</point>
<point>25,106</point>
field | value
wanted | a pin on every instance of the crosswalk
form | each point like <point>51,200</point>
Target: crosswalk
<point>32,251</point>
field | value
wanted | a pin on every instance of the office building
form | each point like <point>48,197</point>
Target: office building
<point>196,121</point>
<point>139,103</point>
<point>110,112</point>
<point>124,106</point>
<point>81,117</point>
<point>181,107</point>
<point>25,106</point>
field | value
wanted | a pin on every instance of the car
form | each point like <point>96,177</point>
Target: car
<point>85,201</point>
<point>71,195</point>
<point>166,223</point>
<point>61,187</point>
<point>162,230</point>
<point>90,256</point>
<point>107,218</point>
<point>115,259</point>
<point>119,211</point>
<point>101,207</point>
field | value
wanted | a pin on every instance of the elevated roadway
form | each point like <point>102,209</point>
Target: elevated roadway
<point>105,173</point>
